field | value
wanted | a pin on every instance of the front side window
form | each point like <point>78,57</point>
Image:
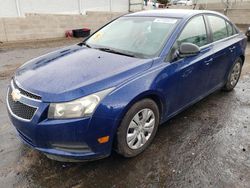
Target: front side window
<point>138,36</point>
<point>218,26</point>
<point>194,32</point>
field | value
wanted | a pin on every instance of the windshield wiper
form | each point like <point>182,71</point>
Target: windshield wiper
<point>85,44</point>
<point>114,51</point>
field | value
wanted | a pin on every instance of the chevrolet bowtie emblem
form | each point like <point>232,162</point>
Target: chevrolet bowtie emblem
<point>16,95</point>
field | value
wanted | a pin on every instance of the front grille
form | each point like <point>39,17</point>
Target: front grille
<point>26,93</point>
<point>19,109</point>
<point>77,148</point>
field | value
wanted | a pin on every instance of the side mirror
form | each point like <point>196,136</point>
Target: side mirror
<point>188,49</point>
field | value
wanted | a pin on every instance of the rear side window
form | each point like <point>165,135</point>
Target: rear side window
<point>194,32</point>
<point>218,26</point>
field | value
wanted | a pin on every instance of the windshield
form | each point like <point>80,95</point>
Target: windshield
<point>142,37</point>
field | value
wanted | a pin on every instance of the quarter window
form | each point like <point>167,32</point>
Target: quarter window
<point>218,26</point>
<point>230,29</point>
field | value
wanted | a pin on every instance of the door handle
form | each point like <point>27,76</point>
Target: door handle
<point>232,48</point>
<point>187,72</point>
<point>208,62</point>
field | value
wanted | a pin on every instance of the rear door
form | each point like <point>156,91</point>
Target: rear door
<point>224,50</point>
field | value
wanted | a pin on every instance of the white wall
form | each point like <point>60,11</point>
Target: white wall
<point>120,5</point>
<point>49,6</point>
<point>8,8</point>
<point>46,26</point>
<point>105,5</point>
<point>96,5</point>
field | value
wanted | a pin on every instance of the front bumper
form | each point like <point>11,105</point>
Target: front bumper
<point>64,140</point>
<point>69,140</point>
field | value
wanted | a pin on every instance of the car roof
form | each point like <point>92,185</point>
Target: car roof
<point>171,13</point>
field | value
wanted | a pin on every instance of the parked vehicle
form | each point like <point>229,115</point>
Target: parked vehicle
<point>153,3</point>
<point>185,2</point>
<point>248,33</point>
<point>174,2</point>
<point>114,89</point>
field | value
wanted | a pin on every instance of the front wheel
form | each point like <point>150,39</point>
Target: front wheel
<point>233,76</point>
<point>138,128</point>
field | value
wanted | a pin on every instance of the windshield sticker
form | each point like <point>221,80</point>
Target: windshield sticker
<point>165,20</point>
<point>97,36</point>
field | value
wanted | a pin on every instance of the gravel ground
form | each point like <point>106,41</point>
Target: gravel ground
<point>208,145</point>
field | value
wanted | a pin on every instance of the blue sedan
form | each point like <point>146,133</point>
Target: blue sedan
<point>114,89</point>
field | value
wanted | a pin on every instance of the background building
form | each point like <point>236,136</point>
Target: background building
<point>17,8</point>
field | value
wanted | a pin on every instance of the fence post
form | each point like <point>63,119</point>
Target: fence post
<point>18,8</point>
<point>129,8</point>
<point>80,6</point>
<point>110,5</point>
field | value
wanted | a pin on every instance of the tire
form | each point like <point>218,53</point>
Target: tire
<point>132,124</point>
<point>233,76</point>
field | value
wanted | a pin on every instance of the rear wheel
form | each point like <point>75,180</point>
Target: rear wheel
<point>233,76</point>
<point>138,128</point>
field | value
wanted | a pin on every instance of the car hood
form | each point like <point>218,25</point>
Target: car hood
<point>77,71</point>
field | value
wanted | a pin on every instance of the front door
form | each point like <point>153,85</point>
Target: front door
<point>192,72</point>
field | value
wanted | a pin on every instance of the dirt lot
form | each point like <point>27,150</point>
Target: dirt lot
<point>208,145</point>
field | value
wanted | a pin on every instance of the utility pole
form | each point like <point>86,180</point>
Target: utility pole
<point>110,5</point>
<point>80,6</point>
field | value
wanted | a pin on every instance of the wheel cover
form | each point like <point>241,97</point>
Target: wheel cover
<point>235,74</point>
<point>140,128</point>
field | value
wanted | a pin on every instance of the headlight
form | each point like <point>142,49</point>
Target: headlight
<point>78,108</point>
